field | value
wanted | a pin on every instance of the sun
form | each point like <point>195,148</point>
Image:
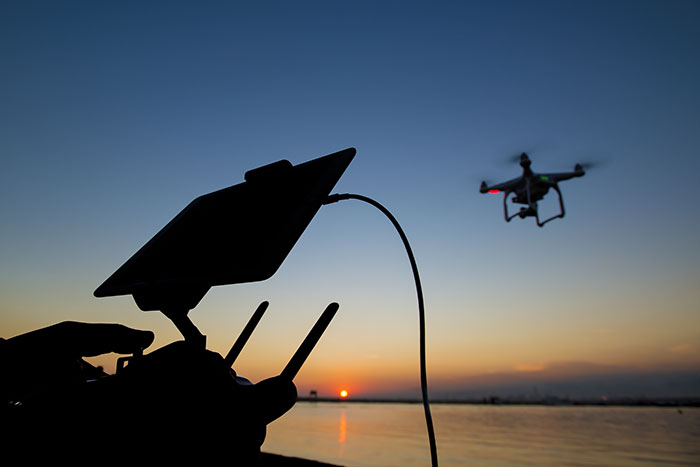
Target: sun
<point>343,394</point>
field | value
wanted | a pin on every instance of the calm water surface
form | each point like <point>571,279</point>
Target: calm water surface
<point>356,434</point>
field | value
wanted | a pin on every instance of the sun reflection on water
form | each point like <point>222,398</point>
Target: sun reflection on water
<point>342,432</point>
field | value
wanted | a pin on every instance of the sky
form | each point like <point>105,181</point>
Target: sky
<point>115,115</point>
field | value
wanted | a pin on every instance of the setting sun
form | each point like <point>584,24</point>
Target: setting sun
<point>343,394</point>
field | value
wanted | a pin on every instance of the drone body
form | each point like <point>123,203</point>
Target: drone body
<point>530,188</point>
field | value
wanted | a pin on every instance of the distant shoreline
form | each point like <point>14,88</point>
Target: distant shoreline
<point>612,402</point>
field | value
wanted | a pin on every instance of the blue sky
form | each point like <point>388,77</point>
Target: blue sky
<point>115,115</point>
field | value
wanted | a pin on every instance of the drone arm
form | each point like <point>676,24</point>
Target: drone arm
<point>508,186</point>
<point>561,207</point>
<point>561,176</point>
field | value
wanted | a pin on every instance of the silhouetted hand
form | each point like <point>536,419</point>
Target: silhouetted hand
<point>179,401</point>
<point>50,359</point>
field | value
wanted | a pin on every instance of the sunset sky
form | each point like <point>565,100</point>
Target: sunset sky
<point>115,115</point>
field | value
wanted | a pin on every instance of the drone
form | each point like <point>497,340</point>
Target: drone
<point>530,188</point>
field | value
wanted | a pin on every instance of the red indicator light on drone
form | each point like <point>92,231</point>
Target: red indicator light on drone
<point>494,191</point>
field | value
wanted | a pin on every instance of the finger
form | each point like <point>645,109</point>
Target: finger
<point>75,339</point>
<point>89,339</point>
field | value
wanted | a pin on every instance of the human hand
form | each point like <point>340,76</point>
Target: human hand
<point>47,359</point>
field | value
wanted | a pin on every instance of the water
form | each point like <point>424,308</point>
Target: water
<point>357,434</point>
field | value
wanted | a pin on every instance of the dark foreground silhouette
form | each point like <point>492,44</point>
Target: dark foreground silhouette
<point>181,402</point>
<point>178,402</point>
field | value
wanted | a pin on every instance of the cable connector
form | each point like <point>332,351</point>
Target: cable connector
<point>334,198</point>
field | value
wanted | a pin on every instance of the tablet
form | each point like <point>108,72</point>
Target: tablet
<point>238,234</point>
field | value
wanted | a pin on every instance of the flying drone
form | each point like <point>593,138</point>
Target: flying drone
<point>530,188</point>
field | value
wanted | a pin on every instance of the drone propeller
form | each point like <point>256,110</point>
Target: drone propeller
<point>517,158</point>
<point>591,164</point>
<point>514,159</point>
<point>478,179</point>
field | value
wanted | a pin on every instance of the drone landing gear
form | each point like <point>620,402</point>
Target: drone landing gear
<point>531,210</point>
<point>561,208</point>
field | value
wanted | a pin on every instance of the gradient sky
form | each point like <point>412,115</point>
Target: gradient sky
<point>115,115</point>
